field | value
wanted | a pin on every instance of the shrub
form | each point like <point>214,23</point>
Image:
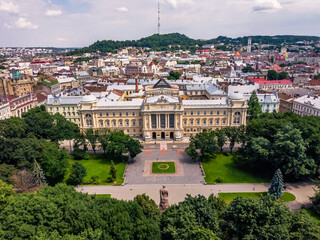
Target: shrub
<point>219,180</point>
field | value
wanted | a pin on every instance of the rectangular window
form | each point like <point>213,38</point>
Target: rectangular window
<point>218,121</point>
<point>218,112</point>
<point>198,113</point>
<point>133,114</point>
<point>204,113</point>
<point>211,113</point>
<point>120,114</point>
<point>191,113</point>
<point>225,113</point>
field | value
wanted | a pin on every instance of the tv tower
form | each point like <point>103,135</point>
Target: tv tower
<point>159,18</point>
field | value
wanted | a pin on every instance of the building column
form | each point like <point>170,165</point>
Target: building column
<point>167,121</point>
<point>150,123</point>
<point>158,120</point>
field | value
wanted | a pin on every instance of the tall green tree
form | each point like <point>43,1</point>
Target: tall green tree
<point>254,108</point>
<point>103,139</point>
<point>78,172</point>
<point>13,127</point>
<point>6,194</point>
<point>277,185</point>
<point>92,137</point>
<point>39,176</point>
<point>282,75</point>
<point>192,151</point>
<point>55,164</point>
<point>247,218</point>
<point>272,75</point>
<point>186,219</point>
<point>205,142</point>
<point>149,207</point>
<point>113,171</point>
<point>221,138</point>
<point>134,147</point>
<point>232,135</point>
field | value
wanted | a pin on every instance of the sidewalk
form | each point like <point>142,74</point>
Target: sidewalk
<point>177,193</point>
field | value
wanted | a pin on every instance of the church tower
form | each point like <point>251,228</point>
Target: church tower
<point>249,45</point>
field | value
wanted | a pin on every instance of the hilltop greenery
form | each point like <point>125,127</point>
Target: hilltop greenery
<point>162,42</point>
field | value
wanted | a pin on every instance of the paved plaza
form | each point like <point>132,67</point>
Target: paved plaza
<point>187,171</point>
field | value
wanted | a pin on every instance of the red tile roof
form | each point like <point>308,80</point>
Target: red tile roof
<point>264,82</point>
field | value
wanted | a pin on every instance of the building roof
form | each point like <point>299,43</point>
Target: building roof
<point>63,99</point>
<point>266,82</point>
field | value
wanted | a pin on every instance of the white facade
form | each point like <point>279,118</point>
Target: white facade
<point>269,102</point>
<point>5,111</point>
<point>307,106</point>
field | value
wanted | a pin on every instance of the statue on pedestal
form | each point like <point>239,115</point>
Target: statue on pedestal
<point>164,202</point>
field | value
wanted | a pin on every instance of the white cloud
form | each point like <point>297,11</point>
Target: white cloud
<point>122,9</point>
<point>53,13</point>
<point>21,23</point>
<point>177,3</point>
<point>7,6</point>
<point>266,6</point>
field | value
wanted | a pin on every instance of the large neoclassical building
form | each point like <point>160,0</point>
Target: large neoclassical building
<point>158,112</point>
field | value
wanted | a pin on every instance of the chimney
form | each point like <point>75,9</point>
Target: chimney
<point>137,87</point>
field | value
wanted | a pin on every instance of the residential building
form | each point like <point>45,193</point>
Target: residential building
<point>67,106</point>
<point>5,111</point>
<point>307,106</point>
<point>16,85</point>
<point>19,105</point>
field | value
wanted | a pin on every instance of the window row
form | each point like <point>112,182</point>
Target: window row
<point>119,114</point>
<point>205,113</point>
<point>120,123</point>
<point>205,121</point>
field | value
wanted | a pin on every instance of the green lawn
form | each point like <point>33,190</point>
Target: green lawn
<point>163,167</point>
<point>101,196</point>
<point>228,197</point>
<point>223,170</point>
<point>313,214</point>
<point>99,165</point>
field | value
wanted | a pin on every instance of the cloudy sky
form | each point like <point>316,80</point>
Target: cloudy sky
<point>77,23</point>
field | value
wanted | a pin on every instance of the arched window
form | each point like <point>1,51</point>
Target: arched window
<point>101,123</point>
<point>127,122</point>
<point>108,123</point>
<point>120,123</point>
<point>114,123</point>
<point>88,115</point>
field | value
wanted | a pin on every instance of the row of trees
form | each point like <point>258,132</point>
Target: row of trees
<point>274,75</point>
<point>209,142</point>
<point>286,141</point>
<point>115,143</point>
<point>62,213</point>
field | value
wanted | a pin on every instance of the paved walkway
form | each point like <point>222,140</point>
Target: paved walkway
<point>177,192</point>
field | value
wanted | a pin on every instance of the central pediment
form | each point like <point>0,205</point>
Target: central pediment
<point>162,84</point>
<point>162,99</point>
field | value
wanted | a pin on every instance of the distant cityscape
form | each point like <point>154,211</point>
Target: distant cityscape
<point>118,89</point>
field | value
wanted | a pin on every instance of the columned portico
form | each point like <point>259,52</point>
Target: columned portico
<point>161,117</point>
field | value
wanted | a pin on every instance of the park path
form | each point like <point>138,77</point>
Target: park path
<point>178,192</point>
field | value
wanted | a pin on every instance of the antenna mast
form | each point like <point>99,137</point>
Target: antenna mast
<point>159,18</point>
